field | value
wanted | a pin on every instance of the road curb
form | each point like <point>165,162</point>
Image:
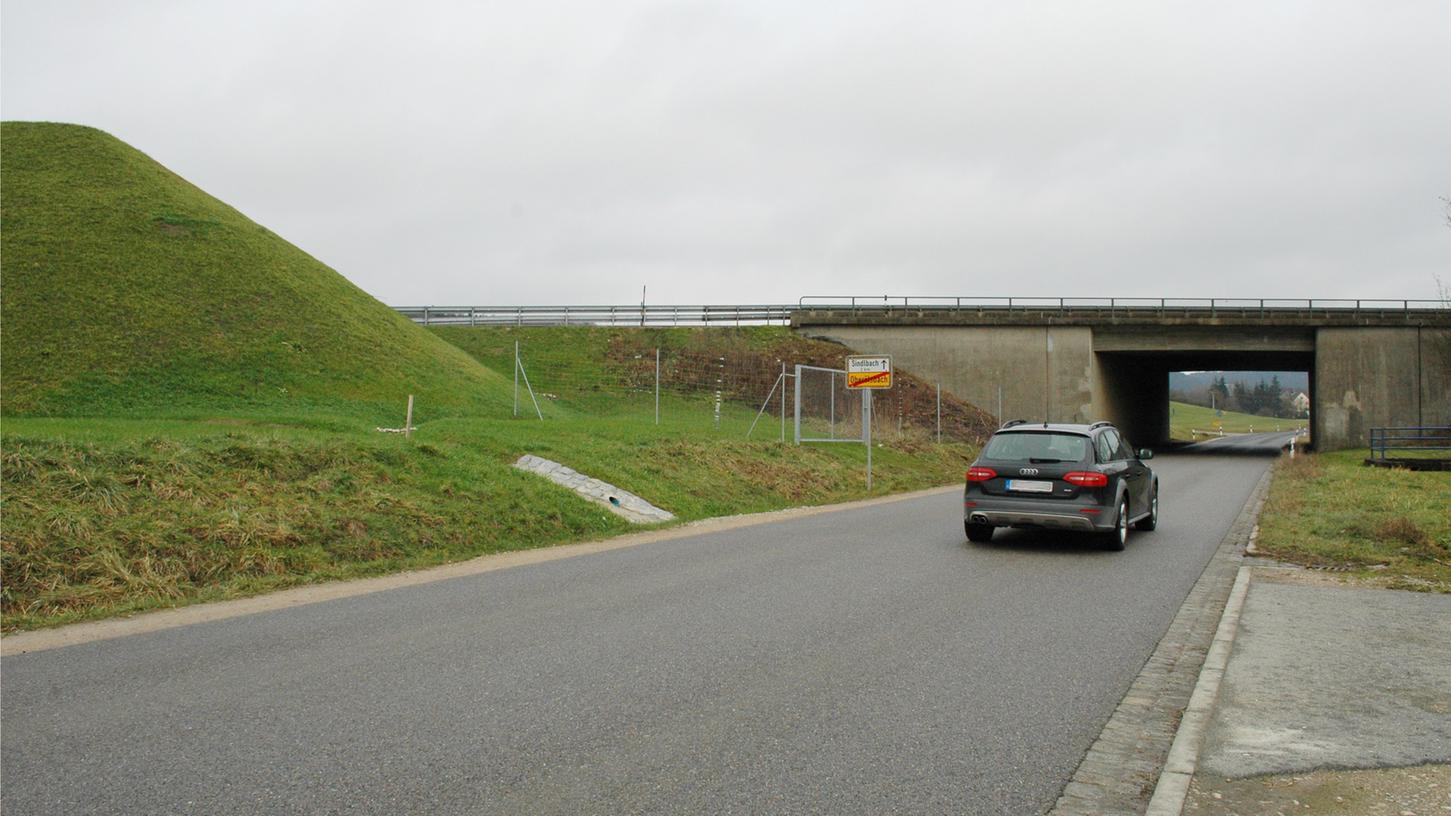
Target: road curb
<point>1121,771</point>
<point>156,620</point>
<point>1173,787</point>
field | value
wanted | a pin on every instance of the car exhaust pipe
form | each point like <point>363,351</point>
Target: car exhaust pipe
<point>977,518</point>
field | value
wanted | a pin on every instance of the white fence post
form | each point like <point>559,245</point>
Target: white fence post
<point>797,407</point>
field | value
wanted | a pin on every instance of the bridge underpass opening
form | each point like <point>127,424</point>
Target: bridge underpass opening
<point>1131,388</point>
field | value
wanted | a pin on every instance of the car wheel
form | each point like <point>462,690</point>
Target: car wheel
<point>1151,521</point>
<point>1119,536</point>
<point>980,533</point>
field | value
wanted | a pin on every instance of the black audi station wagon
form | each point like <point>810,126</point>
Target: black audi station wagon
<point>1064,477</point>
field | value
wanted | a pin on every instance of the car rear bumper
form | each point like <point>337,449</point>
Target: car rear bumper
<point>1083,513</point>
<point>1024,518</point>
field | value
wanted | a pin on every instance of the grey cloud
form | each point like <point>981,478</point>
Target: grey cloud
<point>451,152</point>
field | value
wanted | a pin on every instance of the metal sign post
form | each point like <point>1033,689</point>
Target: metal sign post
<point>868,373</point>
<point>867,432</point>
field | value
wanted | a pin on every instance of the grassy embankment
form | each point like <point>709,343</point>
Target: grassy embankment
<point>1185,418</point>
<point>189,405</point>
<point>1390,526</point>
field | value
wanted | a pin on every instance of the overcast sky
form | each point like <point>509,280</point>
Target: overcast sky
<point>734,152</point>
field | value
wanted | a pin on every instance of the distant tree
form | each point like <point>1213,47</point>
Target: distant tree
<point>1218,394</point>
<point>1243,398</point>
<point>1275,398</point>
<point>1265,399</point>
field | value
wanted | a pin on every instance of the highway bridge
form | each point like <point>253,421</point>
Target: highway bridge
<point>1370,363</point>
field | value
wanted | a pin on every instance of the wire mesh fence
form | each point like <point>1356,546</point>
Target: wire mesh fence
<point>825,410</point>
<point>722,382</point>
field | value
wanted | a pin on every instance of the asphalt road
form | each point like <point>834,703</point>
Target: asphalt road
<point>1254,444</point>
<point>863,661</point>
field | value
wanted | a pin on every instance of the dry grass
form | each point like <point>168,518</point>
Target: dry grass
<point>1329,511</point>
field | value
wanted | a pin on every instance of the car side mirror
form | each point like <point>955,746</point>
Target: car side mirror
<point>1145,453</point>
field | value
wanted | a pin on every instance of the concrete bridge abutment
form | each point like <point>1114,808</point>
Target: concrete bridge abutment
<point>1379,377</point>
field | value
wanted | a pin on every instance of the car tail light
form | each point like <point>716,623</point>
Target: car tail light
<point>981,474</point>
<point>1086,478</point>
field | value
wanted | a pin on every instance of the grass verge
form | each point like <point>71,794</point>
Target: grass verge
<point>109,516</point>
<point>1389,525</point>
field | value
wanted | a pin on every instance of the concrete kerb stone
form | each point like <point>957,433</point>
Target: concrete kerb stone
<point>1173,787</point>
<point>1118,773</point>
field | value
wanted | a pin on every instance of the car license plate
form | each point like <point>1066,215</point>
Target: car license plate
<point>1024,486</point>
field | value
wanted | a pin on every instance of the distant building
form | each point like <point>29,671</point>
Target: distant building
<point>1301,404</point>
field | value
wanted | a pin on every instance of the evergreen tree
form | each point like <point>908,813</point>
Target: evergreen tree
<point>1220,391</point>
<point>1243,399</point>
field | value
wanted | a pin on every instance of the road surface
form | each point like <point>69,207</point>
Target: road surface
<point>862,661</point>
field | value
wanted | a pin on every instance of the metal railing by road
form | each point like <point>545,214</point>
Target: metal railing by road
<point>1411,441</point>
<point>749,315</point>
<point>1167,307</point>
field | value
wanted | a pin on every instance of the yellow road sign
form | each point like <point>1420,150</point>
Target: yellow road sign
<point>869,372</point>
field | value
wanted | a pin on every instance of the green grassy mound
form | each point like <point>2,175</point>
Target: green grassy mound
<point>127,291</point>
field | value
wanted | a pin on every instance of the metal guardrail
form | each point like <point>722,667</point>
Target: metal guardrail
<point>1163,306</point>
<point>1411,439</point>
<point>780,314</point>
<point>757,315</point>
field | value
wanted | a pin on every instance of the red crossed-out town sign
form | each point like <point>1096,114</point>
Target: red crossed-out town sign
<point>869,371</point>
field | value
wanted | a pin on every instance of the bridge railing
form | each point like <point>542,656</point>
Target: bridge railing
<point>735,315</point>
<point>1163,306</point>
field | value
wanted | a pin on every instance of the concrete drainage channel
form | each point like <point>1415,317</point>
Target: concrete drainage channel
<point>1131,758</point>
<point>620,502</point>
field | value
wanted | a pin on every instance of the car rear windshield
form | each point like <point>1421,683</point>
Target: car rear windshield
<point>1036,447</point>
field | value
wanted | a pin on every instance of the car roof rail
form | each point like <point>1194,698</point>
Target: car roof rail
<point>1010,423</point>
<point>1102,423</point>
